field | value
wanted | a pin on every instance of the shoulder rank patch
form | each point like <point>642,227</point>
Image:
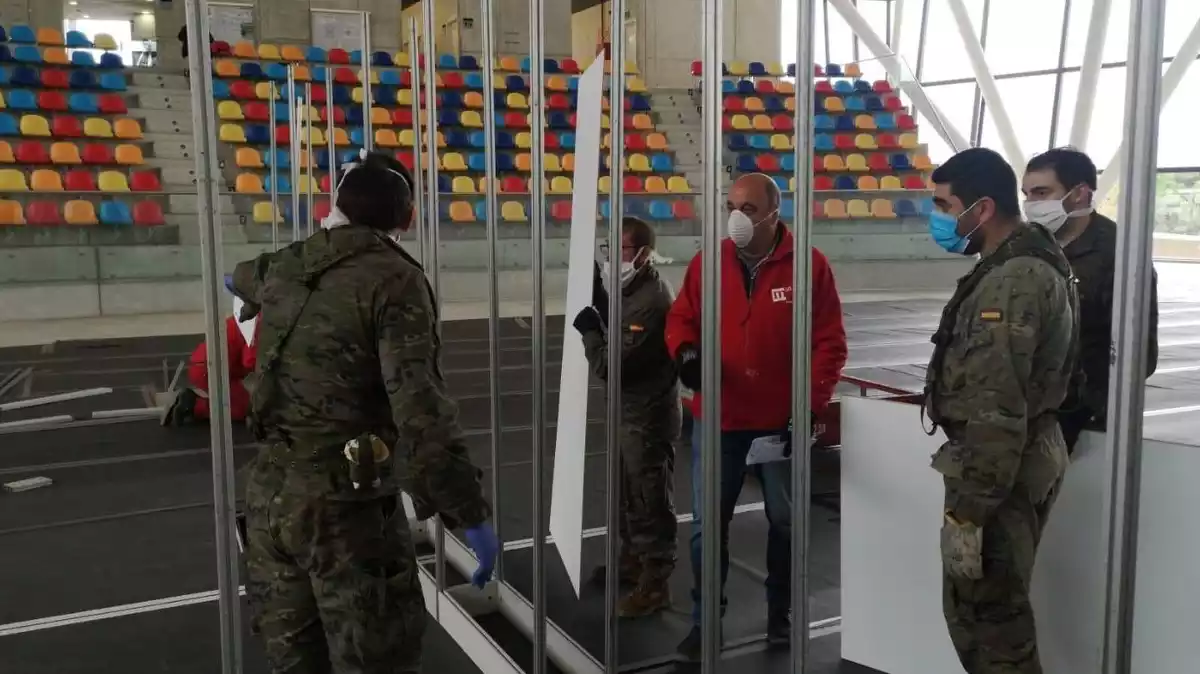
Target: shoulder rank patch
<point>990,315</point>
<point>636,328</point>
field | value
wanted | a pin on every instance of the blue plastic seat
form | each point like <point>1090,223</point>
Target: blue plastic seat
<point>356,57</point>
<point>477,161</point>
<point>468,63</point>
<point>252,71</point>
<point>347,156</point>
<point>728,87</point>
<point>473,81</point>
<point>824,123</point>
<point>787,209</point>
<point>22,34</point>
<point>757,69</point>
<point>447,118</point>
<point>381,58</point>
<point>871,103</point>
<point>5,76</point>
<point>925,206</point>
<point>477,139</point>
<point>111,60</point>
<point>833,70</point>
<point>356,134</point>
<point>342,95</point>
<point>3,35</point>
<point>447,62</point>
<point>516,83</point>
<point>284,159</point>
<point>787,162</point>
<point>737,142</point>
<point>283,184</point>
<point>81,102</point>
<point>115,213</point>
<point>745,87</point>
<point>759,141</point>
<point>638,103</point>
<point>354,115</point>
<point>823,142</point>
<point>844,123</point>
<point>112,81</point>
<point>257,134</point>
<point>774,105</point>
<point>444,184</point>
<point>660,210</point>
<point>8,125</point>
<point>885,121</point>
<point>905,208</point>
<point>315,55</point>
<point>558,120</point>
<point>389,77</point>
<point>845,183</point>
<point>661,163</point>
<point>505,162</point>
<point>746,164</point>
<point>526,64</point>
<point>220,87</point>
<point>5,53</point>
<point>573,84</point>
<point>321,159</point>
<point>855,104</point>
<point>83,59</point>
<point>75,40</point>
<point>383,94</point>
<point>843,87</point>
<point>452,100</point>
<point>318,76</point>
<point>566,140</point>
<point>457,139</point>
<point>82,79</point>
<point>551,66</point>
<point>504,141</point>
<point>781,182</point>
<point>480,208</point>
<point>274,71</point>
<point>862,87</point>
<point>22,99</point>
<point>900,162</point>
<point>605,208</point>
<point>24,76</point>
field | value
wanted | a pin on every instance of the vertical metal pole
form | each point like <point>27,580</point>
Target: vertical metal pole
<point>710,341</point>
<point>489,156</point>
<point>802,340</point>
<point>616,96</point>
<point>368,137</point>
<point>828,53</point>
<point>1089,74</point>
<point>921,39</point>
<point>418,177</point>
<point>1058,77</point>
<point>308,153</point>
<point>537,221</point>
<point>897,25</point>
<point>978,105</point>
<point>330,145</point>
<point>274,174</point>
<point>212,273</point>
<point>298,109</point>
<point>432,216</point>
<point>1131,304</point>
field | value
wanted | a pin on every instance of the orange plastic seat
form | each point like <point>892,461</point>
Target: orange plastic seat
<point>11,213</point>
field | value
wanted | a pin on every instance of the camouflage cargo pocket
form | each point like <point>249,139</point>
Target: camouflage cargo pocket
<point>962,549</point>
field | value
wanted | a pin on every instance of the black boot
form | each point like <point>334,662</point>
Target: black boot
<point>691,649</point>
<point>779,628</point>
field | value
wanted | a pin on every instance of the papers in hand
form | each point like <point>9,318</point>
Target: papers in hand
<point>769,448</point>
<point>245,327</point>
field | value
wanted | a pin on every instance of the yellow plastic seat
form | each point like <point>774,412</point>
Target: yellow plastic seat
<point>375,77</point>
<point>308,185</point>
<point>604,185</point>
<point>473,99</point>
<point>790,104</point>
<point>605,122</point>
<point>232,133</point>
<point>868,183</point>
<point>740,68</point>
<point>509,64</point>
<point>356,95</point>
<point>908,141</point>
<point>921,162</point>
<point>130,155</point>
<point>678,185</point>
<point>408,138</point>
<point>833,162</point>
<point>890,183</point>
<point>264,91</point>
<point>55,56</point>
<point>380,116</point>
<point>858,208</point>
<point>639,163</point>
<point>524,140</point>
<point>3,105</point>
<point>263,214</point>
<point>226,68</point>
<point>248,183</point>
<point>781,142</point>
<point>269,52</point>
<point>317,137</point>
<point>655,185</point>
<point>302,74</point>
<point>852,70</point>
<point>244,50</point>
<point>553,164</point>
<point>463,185</point>
<point>792,184</point>
<point>96,127</point>
<point>230,111</point>
<point>112,181</point>
<point>50,36</point>
<point>248,157</point>
<point>517,101</point>
<point>461,211</point>
<point>386,138</point>
<point>11,213</point>
<point>80,212</point>
<point>864,122</point>
<point>642,122</point>
<point>104,41</point>
<point>12,180</point>
<point>833,104</point>
<point>291,53</point>
<point>453,161</point>
<point>635,85</point>
<point>865,141</point>
<point>499,80</point>
<point>128,129</point>
<point>785,88</point>
<point>556,83</point>
<point>741,123</point>
<point>882,208</point>
<point>36,125</point>
<point>753,104</point>
<point>776,69</point>
<point>404,97</point>
<point>65,153</point>
<point>856,162</point>
<point>513,211</point>
<point>631,68</point>
<point>561,185</point>
<point>441,139</point>
<point>45,180</point>
<point>400,59</point>
<point>471,119</point>
<point>836,209</point>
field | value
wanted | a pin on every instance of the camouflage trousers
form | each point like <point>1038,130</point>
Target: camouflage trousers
<point>991,620</point>
<point>647,525</point>
<point>332,583</point>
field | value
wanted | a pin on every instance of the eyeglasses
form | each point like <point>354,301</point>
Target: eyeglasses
<point>604,249</point>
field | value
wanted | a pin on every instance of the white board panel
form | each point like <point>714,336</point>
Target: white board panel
<point>231,23</point>
<point>336,30</point>
<point>566,501</point>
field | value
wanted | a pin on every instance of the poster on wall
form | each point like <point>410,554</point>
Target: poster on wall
<point>231,23</point>
<point>332,30</point>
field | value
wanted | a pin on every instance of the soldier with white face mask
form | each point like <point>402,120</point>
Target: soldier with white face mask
<point>1059,187</point>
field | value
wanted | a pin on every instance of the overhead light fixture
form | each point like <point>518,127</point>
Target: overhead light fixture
<point>147,13</point>
<point>73,3</point>
<point>86,16</point>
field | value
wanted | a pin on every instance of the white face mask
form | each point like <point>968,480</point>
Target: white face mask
<point>1052,214</point>
<point>740,228</point>
<point>628,271</point>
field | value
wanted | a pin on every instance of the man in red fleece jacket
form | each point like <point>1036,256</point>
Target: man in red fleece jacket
<point>756,365</point>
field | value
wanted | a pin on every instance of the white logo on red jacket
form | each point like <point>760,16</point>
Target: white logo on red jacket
<point>781,294</point>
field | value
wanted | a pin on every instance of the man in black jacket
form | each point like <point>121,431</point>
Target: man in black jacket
<point>1059,187</point>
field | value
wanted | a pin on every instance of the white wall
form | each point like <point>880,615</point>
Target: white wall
<point>585,32</point>
<point>143,27</point>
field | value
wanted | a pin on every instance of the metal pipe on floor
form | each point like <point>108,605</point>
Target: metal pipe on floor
<point>308,155</point>
<point>297,108</point>
<point>273,176</point>
<point>616,97</point>
<point>537,222</point>
<point>368,138</point>
<point>212,274</point>
<point>802,335</point>
<point>710,340</point>
<point>332,146</point>
<point>1131,305</point>
<point>489,157</point>
<point>418,178</point>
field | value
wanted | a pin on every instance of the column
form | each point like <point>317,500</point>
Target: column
<point>511,19</point>
<point>31,12</point>
<point>668,40</point>
<point>169,17</point>
<point>752,30</point>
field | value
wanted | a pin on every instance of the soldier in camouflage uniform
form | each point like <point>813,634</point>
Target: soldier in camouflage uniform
<point>650,416</point>
<point>1002,363</point>
<point>349,352</point>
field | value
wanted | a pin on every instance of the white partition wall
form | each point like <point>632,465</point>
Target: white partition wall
<point>891,571</point>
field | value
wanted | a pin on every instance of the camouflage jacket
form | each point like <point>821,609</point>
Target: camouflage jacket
<point>1005,367</point>
<point>649,384</point>
<point>348,345</point>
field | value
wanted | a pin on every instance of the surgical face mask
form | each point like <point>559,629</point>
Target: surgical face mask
<point>740,227</point>
<point>1052,213</point>
<point>628,271</point>
<point>943,227</point>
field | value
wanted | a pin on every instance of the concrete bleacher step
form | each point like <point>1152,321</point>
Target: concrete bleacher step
<point>166,100</point>
<point>152,78</point>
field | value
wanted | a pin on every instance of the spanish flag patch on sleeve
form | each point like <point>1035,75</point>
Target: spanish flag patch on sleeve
<point>633,327</point>
<point>990,315</point>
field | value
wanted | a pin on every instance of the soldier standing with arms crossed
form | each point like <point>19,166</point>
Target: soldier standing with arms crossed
<point>1003,359</point>
<point>348,373</point>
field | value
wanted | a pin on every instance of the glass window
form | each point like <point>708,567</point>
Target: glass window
<point>954,101</point>
<point>1177,203</point>
<point>1024,35</point>
<point>910,32</point>
<point>1182,15</point>
<point>787,32</point>
<point>1178,144</point>
<point>944,58</point>
<point>876,14</point>
<point>1116,40</point>
<point>1029,102</point>
<point>841,39</point>
<point>1108,114</point>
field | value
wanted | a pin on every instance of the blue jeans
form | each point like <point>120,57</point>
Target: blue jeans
<point>776,481</point>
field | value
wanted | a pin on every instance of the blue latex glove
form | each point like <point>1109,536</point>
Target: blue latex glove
<point>482,540</point>
<point>229,282</point>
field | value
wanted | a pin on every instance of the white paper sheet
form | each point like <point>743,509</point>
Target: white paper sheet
<point>566,502</point>
<point>245,327</point>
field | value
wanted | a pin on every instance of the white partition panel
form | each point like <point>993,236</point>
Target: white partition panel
<point>891,572</point>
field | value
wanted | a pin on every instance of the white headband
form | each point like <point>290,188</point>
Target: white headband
<point>336,217</point>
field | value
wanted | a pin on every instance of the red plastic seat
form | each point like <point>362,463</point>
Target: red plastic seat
<point>112,104</point>
<point>905,122</point>
<point>558,102</point>
<point>325,183</point>
<point>892,104</point>
<point>242,90</point>
<point>98,153</point>
<point>632,184</point>
<point>697,68</point>
<point>823,87</point>
<point>402,117</point>
<point>453,80</point>
<point>144,181</point>
<point>914,183</point>
<point>734,104</point>
<point>52,78</point>
<point>407,159</point>
<point>345,76</point>
<point>406,79</point>
<point>629,125</point>
<point>843,141</point>
<point>573,120</point>
<point>148,214</point>
<point>53,101</point>
<point>220,48</point>
<point>881,87</point>
<point>319,95</point>
<point>818,210</point>
<point>31,152</point>
<point>43,213</point>
<point>767,163</point>
<point>515,119</point>
<point>511,184</point>
<point>886,141</point>
<point>683,210</point>
<point>560,210</point>
<point>339,114</point>
<point>552,141</point>
<point>321,209</point>
<point>818,71</point>
<point>822,183</point>
<point>818,164</point>
<point>282,135</point>
<point>256,111</point>
<point>66,126</point>
<point>782,122</point>
<point>79,180</point>
<point>877,161</point>
<point>569,66</point>
<point>635,142</point>
<point>339,57</point>
<point>765,87</point>
<point>727,123</point>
